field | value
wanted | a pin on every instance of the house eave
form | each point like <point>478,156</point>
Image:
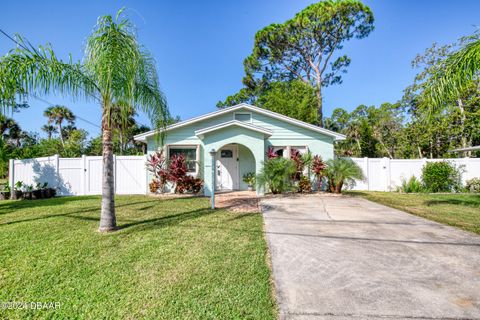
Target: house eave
<point>336,136</point>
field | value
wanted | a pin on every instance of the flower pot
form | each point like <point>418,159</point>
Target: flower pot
<point>16,194</point>
<point>27,195</point>
<point>36,194</point>
<point>250,188</point>
<point>4,195</point>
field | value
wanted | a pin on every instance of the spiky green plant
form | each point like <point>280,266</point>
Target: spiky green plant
<point>342,171</point>
<point>276,175</point>
<point>115,68</point>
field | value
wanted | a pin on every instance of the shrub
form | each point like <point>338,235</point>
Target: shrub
<point>189,184</point>
<point>411,185</point>
<point>473,185</point>
<point>154,185</point>
<point>304,185</point>
<point>276,175</point>
<point>441,177</point>
<point>175,172</point>
<point>342,171</point>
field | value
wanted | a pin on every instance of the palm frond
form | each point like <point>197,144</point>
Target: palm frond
<point>457,72</point>
<point>40,71</point>
<point>124,71</point>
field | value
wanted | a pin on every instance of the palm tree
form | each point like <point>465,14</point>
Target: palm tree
<point>57,114</point>
<point>115,68</point>
<point>456,73</point>
<point>49,130</point>
<point>5,124</point>
<point>340,171</point>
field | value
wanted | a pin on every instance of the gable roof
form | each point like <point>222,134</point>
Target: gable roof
<point>336,136</point>
<point>201,132</point>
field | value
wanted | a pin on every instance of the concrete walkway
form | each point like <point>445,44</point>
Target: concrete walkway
<point>349,258</point>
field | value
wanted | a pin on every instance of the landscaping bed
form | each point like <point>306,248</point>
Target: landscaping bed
<point>171,259</point>
<point>458,210</point>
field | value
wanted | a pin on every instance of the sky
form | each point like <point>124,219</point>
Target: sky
<point>199,46</point>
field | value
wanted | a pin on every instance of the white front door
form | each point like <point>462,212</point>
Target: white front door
<point>227,169</point>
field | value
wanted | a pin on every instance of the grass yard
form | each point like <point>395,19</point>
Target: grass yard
<point>172,259</point>
<point>458,210</point>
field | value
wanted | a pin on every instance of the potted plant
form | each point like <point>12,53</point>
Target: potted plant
<point>5,193</point>
<point>37,192</point>
<point>27,194</point>
<point>249,179</point>
<point>17,191</point>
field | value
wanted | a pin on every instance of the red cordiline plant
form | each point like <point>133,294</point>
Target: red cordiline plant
<point>156,165</point>
<point>271,153</point>
<point>297,159</point>
<point>318,169</point>
<point>175,171</point>
<point>177,174</point>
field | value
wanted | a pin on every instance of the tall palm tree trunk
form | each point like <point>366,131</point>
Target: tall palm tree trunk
<point>60,133</point>
<point>107,216</point>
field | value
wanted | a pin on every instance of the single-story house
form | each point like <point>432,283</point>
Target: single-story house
<point>239,137</point>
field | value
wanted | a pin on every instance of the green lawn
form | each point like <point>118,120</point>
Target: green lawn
<point>458,210</point>
<point>172,259</point>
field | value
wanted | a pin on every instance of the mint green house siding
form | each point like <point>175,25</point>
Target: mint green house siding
<point>248,138</point>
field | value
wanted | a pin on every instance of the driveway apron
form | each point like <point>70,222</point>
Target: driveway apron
<point>349,258</point>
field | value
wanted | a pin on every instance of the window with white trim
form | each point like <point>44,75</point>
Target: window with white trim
<point>190,154</point>
<point>280,151</point>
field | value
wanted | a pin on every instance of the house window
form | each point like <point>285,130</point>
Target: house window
<point>301,149</point>
<point>190,154</point>
<point>245,117</point>
<point>280,151</point>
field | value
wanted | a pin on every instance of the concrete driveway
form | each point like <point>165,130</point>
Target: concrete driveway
<point>349,258</point>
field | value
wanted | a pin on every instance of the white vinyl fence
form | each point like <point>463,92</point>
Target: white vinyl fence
<point>81,176</point>
<point>384,174</point>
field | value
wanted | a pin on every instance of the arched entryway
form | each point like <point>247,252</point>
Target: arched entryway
<point>232,162</point>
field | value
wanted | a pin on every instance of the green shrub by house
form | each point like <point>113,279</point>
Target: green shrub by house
<point>276,175</point>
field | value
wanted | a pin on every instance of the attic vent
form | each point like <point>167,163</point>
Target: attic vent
<point>246,117</point>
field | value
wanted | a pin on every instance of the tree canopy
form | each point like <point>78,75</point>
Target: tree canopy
<point>304,48</point>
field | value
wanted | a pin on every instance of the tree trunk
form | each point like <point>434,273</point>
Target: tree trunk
<point>61,133</point>
<point>318,93</point>
<point>107,216</point>
<point>338,187</point>
<point>331,185</point>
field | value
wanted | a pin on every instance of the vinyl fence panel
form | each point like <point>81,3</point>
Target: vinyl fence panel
<point>81,176</point>
<point>384,174</point>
